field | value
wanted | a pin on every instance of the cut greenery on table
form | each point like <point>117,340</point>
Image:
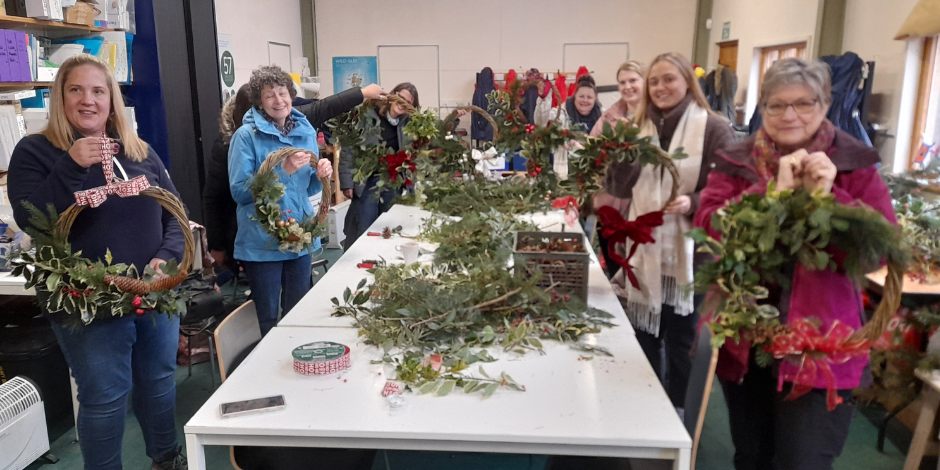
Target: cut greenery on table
<point>418,313</point>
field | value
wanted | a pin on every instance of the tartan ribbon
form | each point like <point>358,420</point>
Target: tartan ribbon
<point>616,230</point>
<point>815,353</point>
<point>94,197</point>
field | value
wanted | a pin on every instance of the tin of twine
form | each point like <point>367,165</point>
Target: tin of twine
<point>323,357</point>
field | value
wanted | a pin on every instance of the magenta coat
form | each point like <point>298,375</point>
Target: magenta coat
<point>826,295</point>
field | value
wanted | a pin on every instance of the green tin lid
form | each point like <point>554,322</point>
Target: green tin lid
<point>321,351</point>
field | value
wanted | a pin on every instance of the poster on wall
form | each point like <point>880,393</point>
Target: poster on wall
<point>226,66</point>
<point>350,72</point>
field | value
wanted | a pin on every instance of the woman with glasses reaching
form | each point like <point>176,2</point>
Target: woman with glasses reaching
<point>798,148</point>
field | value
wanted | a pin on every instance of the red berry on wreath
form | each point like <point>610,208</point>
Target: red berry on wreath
<point>137,301</point>
<point>140,312</point>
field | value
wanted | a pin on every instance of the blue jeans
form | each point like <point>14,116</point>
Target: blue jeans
<point>275,283</point>
<point>365,209</point>
<point>110,357</point>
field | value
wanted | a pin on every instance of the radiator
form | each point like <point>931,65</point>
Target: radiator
<point>337,221</point>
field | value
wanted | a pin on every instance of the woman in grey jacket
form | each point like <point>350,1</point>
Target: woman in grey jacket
<point>366,204</point>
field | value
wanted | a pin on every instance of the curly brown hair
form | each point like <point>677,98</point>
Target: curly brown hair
<point>270,75</point>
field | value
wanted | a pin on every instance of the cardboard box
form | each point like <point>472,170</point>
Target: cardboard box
<point>82,13</point>
<point>44,9</point>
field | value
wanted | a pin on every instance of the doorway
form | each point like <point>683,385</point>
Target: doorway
<point>728,54</point>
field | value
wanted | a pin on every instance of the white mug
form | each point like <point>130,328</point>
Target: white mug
<point>409,251</point>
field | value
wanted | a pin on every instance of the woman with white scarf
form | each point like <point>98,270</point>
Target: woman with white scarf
<point>662,310</point>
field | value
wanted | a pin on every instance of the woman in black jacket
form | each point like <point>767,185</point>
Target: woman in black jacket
<point>217,201</point>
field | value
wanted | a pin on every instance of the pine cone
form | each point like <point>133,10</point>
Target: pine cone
<point>169,282</point>
<point>141,287</point>
<point>127,284</point>
<point>386,233</point>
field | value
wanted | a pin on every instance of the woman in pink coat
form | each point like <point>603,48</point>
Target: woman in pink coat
<point>798,147</point>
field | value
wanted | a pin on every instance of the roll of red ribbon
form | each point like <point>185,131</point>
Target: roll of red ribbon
<point>320,358</point>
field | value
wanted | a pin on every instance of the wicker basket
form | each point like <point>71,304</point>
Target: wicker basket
<point>565,273</point>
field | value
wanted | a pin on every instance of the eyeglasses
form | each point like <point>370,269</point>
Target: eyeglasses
<point>801,107</point>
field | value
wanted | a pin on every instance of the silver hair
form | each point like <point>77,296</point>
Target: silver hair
<point>795,71</point>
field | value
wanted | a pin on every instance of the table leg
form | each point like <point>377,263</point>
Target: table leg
<point>922,431</point>
<point>195,452</point>
<point>683,460</point>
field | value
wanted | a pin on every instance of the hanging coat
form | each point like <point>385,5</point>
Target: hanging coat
<point>582,70</point>
<point>510,77</point>
<point>562,91</point>
<point>480,129</point>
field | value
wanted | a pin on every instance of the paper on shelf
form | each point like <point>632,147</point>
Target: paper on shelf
<point>59,53</point>
<point>117,50</point>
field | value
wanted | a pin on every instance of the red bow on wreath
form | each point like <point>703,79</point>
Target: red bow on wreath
<point>395,162</point>
<point>815,353</point>
<point>96,196</point>
<point>616,230</point>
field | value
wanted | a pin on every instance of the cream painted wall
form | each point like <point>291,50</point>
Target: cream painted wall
<point>499,34</point>
<point>253,25</point>
<point>870,26</point>
<point>756,24</point>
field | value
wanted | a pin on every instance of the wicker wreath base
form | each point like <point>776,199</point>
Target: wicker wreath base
<point>169,202</point>
<point>277,157</point>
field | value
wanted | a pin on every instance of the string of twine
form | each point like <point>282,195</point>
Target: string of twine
<point>389,100</point>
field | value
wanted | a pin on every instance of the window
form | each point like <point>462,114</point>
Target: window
<point>926,137</point>
<point>771,54</point>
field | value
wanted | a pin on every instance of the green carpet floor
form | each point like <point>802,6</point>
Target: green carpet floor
<point>715,453</point>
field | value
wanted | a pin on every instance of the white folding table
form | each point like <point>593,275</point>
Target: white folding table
<point>14,285</point>
<point>606,406</point>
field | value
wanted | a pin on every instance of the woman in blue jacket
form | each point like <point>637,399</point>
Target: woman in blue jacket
<point>276,278</point>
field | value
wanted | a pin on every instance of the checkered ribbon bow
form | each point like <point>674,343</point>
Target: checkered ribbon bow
<point>94,197</point>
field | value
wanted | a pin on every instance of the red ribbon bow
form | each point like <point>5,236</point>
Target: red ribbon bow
<point>616,230</point>
<point>396,162</point>
<point>570,205</point>
<point>94,197</point>
<point>815,353</point>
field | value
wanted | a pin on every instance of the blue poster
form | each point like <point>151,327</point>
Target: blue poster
<point>354,72</point>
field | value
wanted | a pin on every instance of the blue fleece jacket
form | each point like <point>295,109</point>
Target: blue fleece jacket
<point>250,146</point>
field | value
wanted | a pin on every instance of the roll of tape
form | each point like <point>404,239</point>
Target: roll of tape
<point>320,358</point>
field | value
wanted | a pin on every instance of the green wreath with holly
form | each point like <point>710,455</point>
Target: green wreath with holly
<point>85,290</point>
<point>290,234</point>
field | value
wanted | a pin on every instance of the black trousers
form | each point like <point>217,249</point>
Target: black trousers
<point>772,433</point>
<point>676,339</point>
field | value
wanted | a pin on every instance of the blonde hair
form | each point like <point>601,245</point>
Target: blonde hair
<point>631,66</point>
<point>685,68</point>
<point>61,133</point>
